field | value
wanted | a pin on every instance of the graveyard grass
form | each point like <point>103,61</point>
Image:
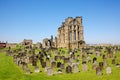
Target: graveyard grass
<point>10,71</point>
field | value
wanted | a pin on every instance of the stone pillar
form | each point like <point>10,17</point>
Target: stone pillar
<point>81,33</point>
<point>72,33</point>
<point>77,34</point>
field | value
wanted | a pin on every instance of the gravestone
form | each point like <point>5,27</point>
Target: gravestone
<point>98,53</point>
<point>28,71</point>
<point>43,64</point>
<point>84,66</point>
<point>53,64</point>
<point>47,62</point>
<point>117,65</point>
<point>66,60</point>
<point>94,59</point>
<point>75,68</point>
<point>108,70</point>
<point>105,63</point>
<point>98,71</point>
<point>24,65</point>
<point>62,66</point>
<point>68,69</point>
<point>113,61</point>
<point>37,70</point>
<point>94,66</point>
<point>84,58</point>
<point>49,71</point>
<point>58,64</point>
<point>59,71</point>
<point>62,57</point>
<point>89,59</point>
<point>34,62</point>
<point>101,64</point>
<point>56,58</point>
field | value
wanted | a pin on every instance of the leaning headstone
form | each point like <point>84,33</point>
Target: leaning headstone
<point>68,69</point>
<point>108,70</point>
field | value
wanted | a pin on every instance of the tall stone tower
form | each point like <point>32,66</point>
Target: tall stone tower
<point>70,34</point>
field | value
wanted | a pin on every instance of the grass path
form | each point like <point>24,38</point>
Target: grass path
<point>10,71</point>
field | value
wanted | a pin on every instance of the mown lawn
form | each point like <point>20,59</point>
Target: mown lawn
<point>10,71</point>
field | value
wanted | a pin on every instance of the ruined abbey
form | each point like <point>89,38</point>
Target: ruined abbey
<point>70,35</point>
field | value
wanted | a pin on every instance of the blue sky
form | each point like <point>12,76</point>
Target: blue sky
<point>38,19</point>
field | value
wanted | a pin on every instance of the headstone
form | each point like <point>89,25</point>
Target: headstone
<point>101,64</point>
<point>84,66</point>
<point>24,65</point>
<point>66,60</point>
<point>43,64</point>
<point>89,59</point>
<point>68,69</point>
<point>56,58</point>
<point>105,62</point>
<point>37,70</point>
<point>98,53</point>
<point>62,66</point>
<point>34,62</point>
<point>62,57</point>
<point>113,61</point>
<point>117,65</point>
<point>59,71</point>
<point>94,59</point>
<point>98,71</point>
<point>75,68</point>
<point>47,62</point>
<point>27,70</point>
<point>83,58</point>
<point>94,66</point>
<point>49,71</point>
<point>53,64</point>
<point>108,70</point>
<point>58,64</point>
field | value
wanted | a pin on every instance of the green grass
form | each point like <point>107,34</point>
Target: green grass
<point>10,71</point>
